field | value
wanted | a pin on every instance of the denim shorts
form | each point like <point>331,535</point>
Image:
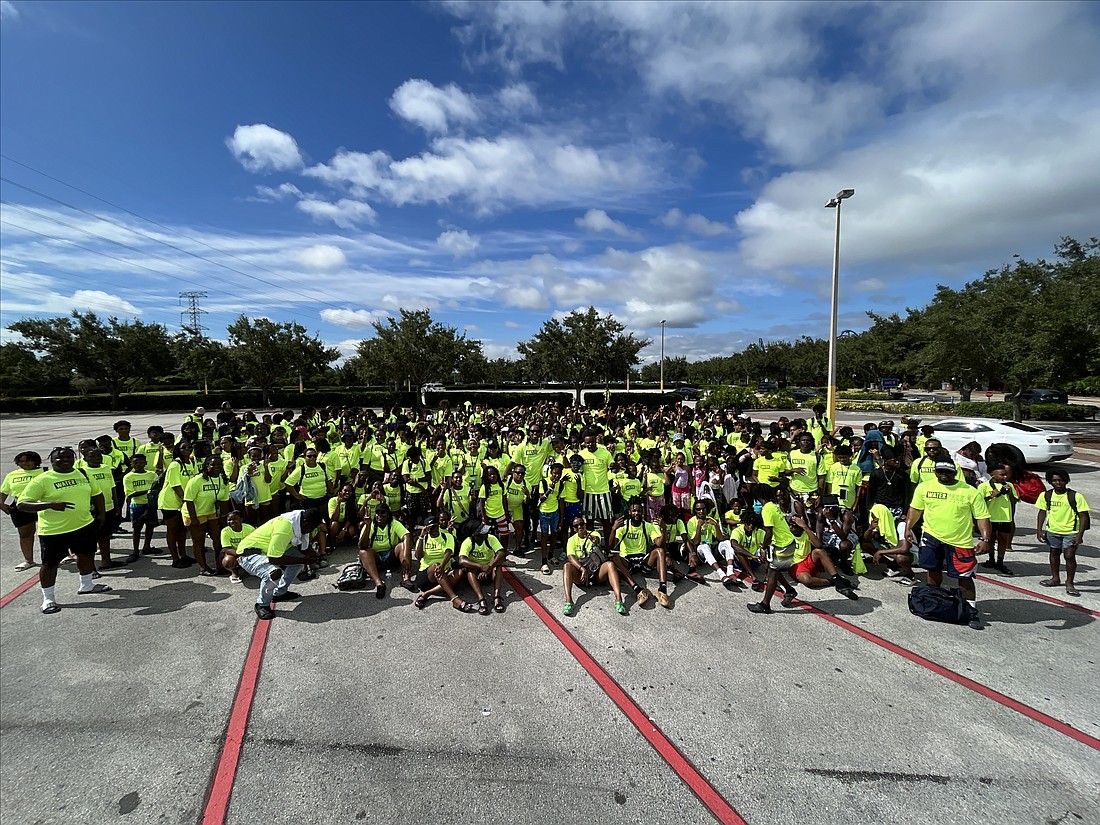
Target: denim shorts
<point>548,522</point>
<point>1059,541</point>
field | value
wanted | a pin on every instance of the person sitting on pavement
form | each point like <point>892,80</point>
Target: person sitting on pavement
<point>482,557</point>
<point>884,539</point>
<point>384,546</point>
<point>810,559</point>
<point>435,552</point>
<point>704,535</point>
<point>640,547</point>
<point>587,562</point>
<point>275,553</point>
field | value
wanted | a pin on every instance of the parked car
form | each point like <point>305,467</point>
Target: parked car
<point>767,386</point>
<point>1042,396</point>
<point>433,387</point>
<point>688,393</point>
<point>803,393</point>
<point>1037,445</point>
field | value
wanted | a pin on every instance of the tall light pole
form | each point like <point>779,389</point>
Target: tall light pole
<point>662,356</point>
<point>842,195</point>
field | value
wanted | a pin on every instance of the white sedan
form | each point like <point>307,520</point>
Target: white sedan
<point>1038,445</point>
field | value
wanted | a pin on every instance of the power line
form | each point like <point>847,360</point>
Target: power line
<point>312,298</point>
<point>105,255</point>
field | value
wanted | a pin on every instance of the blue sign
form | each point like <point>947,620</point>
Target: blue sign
<point>890,383</point>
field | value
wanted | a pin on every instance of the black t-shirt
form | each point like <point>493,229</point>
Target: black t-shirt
<point>887,488</point>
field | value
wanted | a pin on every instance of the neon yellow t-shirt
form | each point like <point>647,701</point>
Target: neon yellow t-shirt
<point>949,511</point>
<point>1000,507</point>
<point>632,539</point>
<point>806,483</point>
<point>773,517</point>
<point>481,553</point>
<point>206,493</point>
<point>17,480</point>
<point>232,539</point>
<point>72,487</point>
<point>135,485</point>
<point>1062,519</point>
<point>436,547</point>
<point>381,539</point>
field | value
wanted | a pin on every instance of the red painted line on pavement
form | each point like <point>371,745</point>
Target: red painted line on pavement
<point>1042,596</point>
<point>221,787</point>
<point>19,591</point>
<point>958,678</point>
<point>664,746</point>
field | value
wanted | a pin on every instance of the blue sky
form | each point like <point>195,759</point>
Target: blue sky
<point>501,163</point>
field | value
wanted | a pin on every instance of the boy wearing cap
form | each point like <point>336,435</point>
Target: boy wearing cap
<point>950,509</point>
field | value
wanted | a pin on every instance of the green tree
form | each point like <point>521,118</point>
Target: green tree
<point>22,372</point>
<point>676,371</point>
<point>581,348</point>
<point>267,352</point>
<point>413,349</point>
<point>201,359</point>
<point>115,354</point>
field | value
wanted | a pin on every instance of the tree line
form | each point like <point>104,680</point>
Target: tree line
<point>1029,323</point>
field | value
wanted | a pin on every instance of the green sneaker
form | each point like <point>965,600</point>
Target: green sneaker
<point>620,608</point>
<point>567,609</point>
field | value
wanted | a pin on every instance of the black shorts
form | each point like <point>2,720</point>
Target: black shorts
<point>111,521</point>
<point>637,563</point>
<point>423,582</point>
<point>82,542</point>
<point>21,519</point>
<point>1002,528</point>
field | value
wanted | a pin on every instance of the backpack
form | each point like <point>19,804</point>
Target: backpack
<point>938,605</point>
<point>153,494</point>
<point>1030,487</point>
<point>1071,499</point>
<point>593,560</point>
<point>352,577</point>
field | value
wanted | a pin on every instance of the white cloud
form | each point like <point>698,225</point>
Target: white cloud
<point>432,108</point>
<point>261,148</point>
<point>345,213</point>
<point>322,256</point>
<point>85,300</point>
<point>493,351</point>
<point>511,325</point>
<point>870,285</point>
<point>535,167</point>
<point>696,224</point>
<point>955,188</point>
<point>597,220</point>
<point>353,318</point>
<point>8,12</point>
<point>459,243</point>
<point>517,99</point>
<point>277,193</point>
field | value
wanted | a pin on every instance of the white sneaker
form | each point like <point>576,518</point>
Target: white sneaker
<point>892,573</point>
<point>235,577</point>
<point>905,581</point>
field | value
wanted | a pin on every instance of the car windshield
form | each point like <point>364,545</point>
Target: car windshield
<point>1016,425</point>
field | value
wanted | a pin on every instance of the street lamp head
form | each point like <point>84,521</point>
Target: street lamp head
<point>663,323</point>
<point>842,195</point>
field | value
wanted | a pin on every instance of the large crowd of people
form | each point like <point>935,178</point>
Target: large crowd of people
<point>617,497</point>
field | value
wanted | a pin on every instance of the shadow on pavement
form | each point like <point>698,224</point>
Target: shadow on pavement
<point>163,598</point>
<point>1029,611</point>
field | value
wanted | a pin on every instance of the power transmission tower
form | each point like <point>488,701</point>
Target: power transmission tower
<point>191,318</point>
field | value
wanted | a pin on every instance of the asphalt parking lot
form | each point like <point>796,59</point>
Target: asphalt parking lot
<point>164,701</point>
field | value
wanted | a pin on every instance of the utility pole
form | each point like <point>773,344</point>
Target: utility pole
<point>192,316</point>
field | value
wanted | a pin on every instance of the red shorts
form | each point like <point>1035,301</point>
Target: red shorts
<point>807,565</point>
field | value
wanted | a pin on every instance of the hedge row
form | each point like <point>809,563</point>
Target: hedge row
<point>240,399</point>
